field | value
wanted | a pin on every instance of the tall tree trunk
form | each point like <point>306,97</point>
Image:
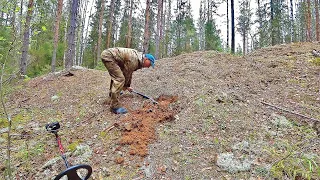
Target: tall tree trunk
<point>83,44</point>
<point>167,47</point>
<point>273,41</point>
<point>232,28</point>
<point>110,23</point>
<point>20,14</point>
<point>244,42</point>
<point>293,39</point>
<point>100,32</point>
<point>261,39</point>
<point>227,24</point>
<point>71,34</point>
<point>316,2</point>
<point>26,39</point>
<point>128,43</point>
<point>56,35</point>
<point>146,35</point>
<point>163,22</point>
<point>159,21</point>
<point>82,38</point>
<point>309,36</point>
<point>81,19</point>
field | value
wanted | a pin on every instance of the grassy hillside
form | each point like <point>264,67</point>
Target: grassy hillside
<point>219,117</point>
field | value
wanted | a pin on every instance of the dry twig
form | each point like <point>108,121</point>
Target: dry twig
<point>298,114</point>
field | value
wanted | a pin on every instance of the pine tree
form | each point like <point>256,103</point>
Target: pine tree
<point>110,23</point>
<point>101,13</point>
<point>232,28</point>
<point>26,39</point>
<point>70,55</point>
<point>159,22</point>
<point>146,36</point>
<point>56,34</point>
<point>244,22</point>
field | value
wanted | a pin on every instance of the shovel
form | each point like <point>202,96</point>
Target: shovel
<point>144,96</point>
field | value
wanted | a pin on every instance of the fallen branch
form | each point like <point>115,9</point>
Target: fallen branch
<point>111,127</point>
<point>301,115</point>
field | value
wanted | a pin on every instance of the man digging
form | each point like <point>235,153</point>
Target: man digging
<point>121,63</point>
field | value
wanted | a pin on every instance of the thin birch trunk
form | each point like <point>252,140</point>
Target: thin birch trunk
<point>84,17</point>
<point>87,29</point>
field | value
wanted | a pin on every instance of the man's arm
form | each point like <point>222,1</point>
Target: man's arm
<point>128,77</point>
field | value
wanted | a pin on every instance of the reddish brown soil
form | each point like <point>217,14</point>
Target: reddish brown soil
<point>138,129</point>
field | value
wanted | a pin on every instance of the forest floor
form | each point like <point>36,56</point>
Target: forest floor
<point>219,117</point>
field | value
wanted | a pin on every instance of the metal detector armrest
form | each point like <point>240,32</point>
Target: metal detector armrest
<point>53,127</point>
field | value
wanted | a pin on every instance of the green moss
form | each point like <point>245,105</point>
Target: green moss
<point>293,81</point>
<point>315,61</point>
<point>30,151</point>
<point>175,150</point>
<point>73,146</point>
<point>4,122</point>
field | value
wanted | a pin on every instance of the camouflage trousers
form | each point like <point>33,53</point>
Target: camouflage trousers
<point>117,78</point>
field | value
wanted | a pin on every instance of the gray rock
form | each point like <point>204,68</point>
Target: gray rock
<point>83,153</point>
<point>229,163</point>
<point>4,130</point>
<point>280,121</point>
<point>54,98</point>
<point>51,162</point>
<point>242,146</point>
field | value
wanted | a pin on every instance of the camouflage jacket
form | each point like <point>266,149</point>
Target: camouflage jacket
<point>129,60</point>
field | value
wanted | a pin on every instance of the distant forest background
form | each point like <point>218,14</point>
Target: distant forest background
<point>42,36</point>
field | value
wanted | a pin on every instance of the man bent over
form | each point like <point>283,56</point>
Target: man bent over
<point>121,63</point>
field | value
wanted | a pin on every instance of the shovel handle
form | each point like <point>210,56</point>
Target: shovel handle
<point>144,96</point>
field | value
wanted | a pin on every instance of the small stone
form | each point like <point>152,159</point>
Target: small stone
<point>119,160</point>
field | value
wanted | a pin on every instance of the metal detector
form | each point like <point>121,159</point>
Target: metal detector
<point>70,172</point>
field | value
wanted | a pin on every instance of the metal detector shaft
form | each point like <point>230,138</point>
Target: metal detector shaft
<point>144,96</point>
<point>54,128</point>
<point>61,150</point>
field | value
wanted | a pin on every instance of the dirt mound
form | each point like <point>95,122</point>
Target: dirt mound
<point>214,114</point>
<point>139,128</point>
